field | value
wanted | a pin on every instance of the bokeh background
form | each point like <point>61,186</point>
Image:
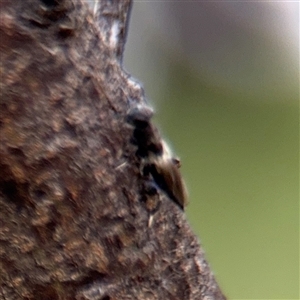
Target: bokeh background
<point>223,78</point>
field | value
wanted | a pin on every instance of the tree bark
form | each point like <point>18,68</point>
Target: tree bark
<point>74,222</point>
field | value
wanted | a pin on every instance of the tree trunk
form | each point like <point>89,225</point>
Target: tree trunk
<point>76,221</point>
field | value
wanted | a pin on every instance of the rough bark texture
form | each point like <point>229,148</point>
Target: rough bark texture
<point>72,223</point>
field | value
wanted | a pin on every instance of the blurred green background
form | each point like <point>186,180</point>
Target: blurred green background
<point>226,95</point>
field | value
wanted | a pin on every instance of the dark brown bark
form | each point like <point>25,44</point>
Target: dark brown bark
<point>72,223</point>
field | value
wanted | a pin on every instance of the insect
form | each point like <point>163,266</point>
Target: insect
<point>159,164</point>
<point>165,171</point>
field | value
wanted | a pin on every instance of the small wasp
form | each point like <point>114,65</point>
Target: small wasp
<point>158,160</point>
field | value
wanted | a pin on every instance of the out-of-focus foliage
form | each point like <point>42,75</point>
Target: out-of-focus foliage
<point>225,82</point>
